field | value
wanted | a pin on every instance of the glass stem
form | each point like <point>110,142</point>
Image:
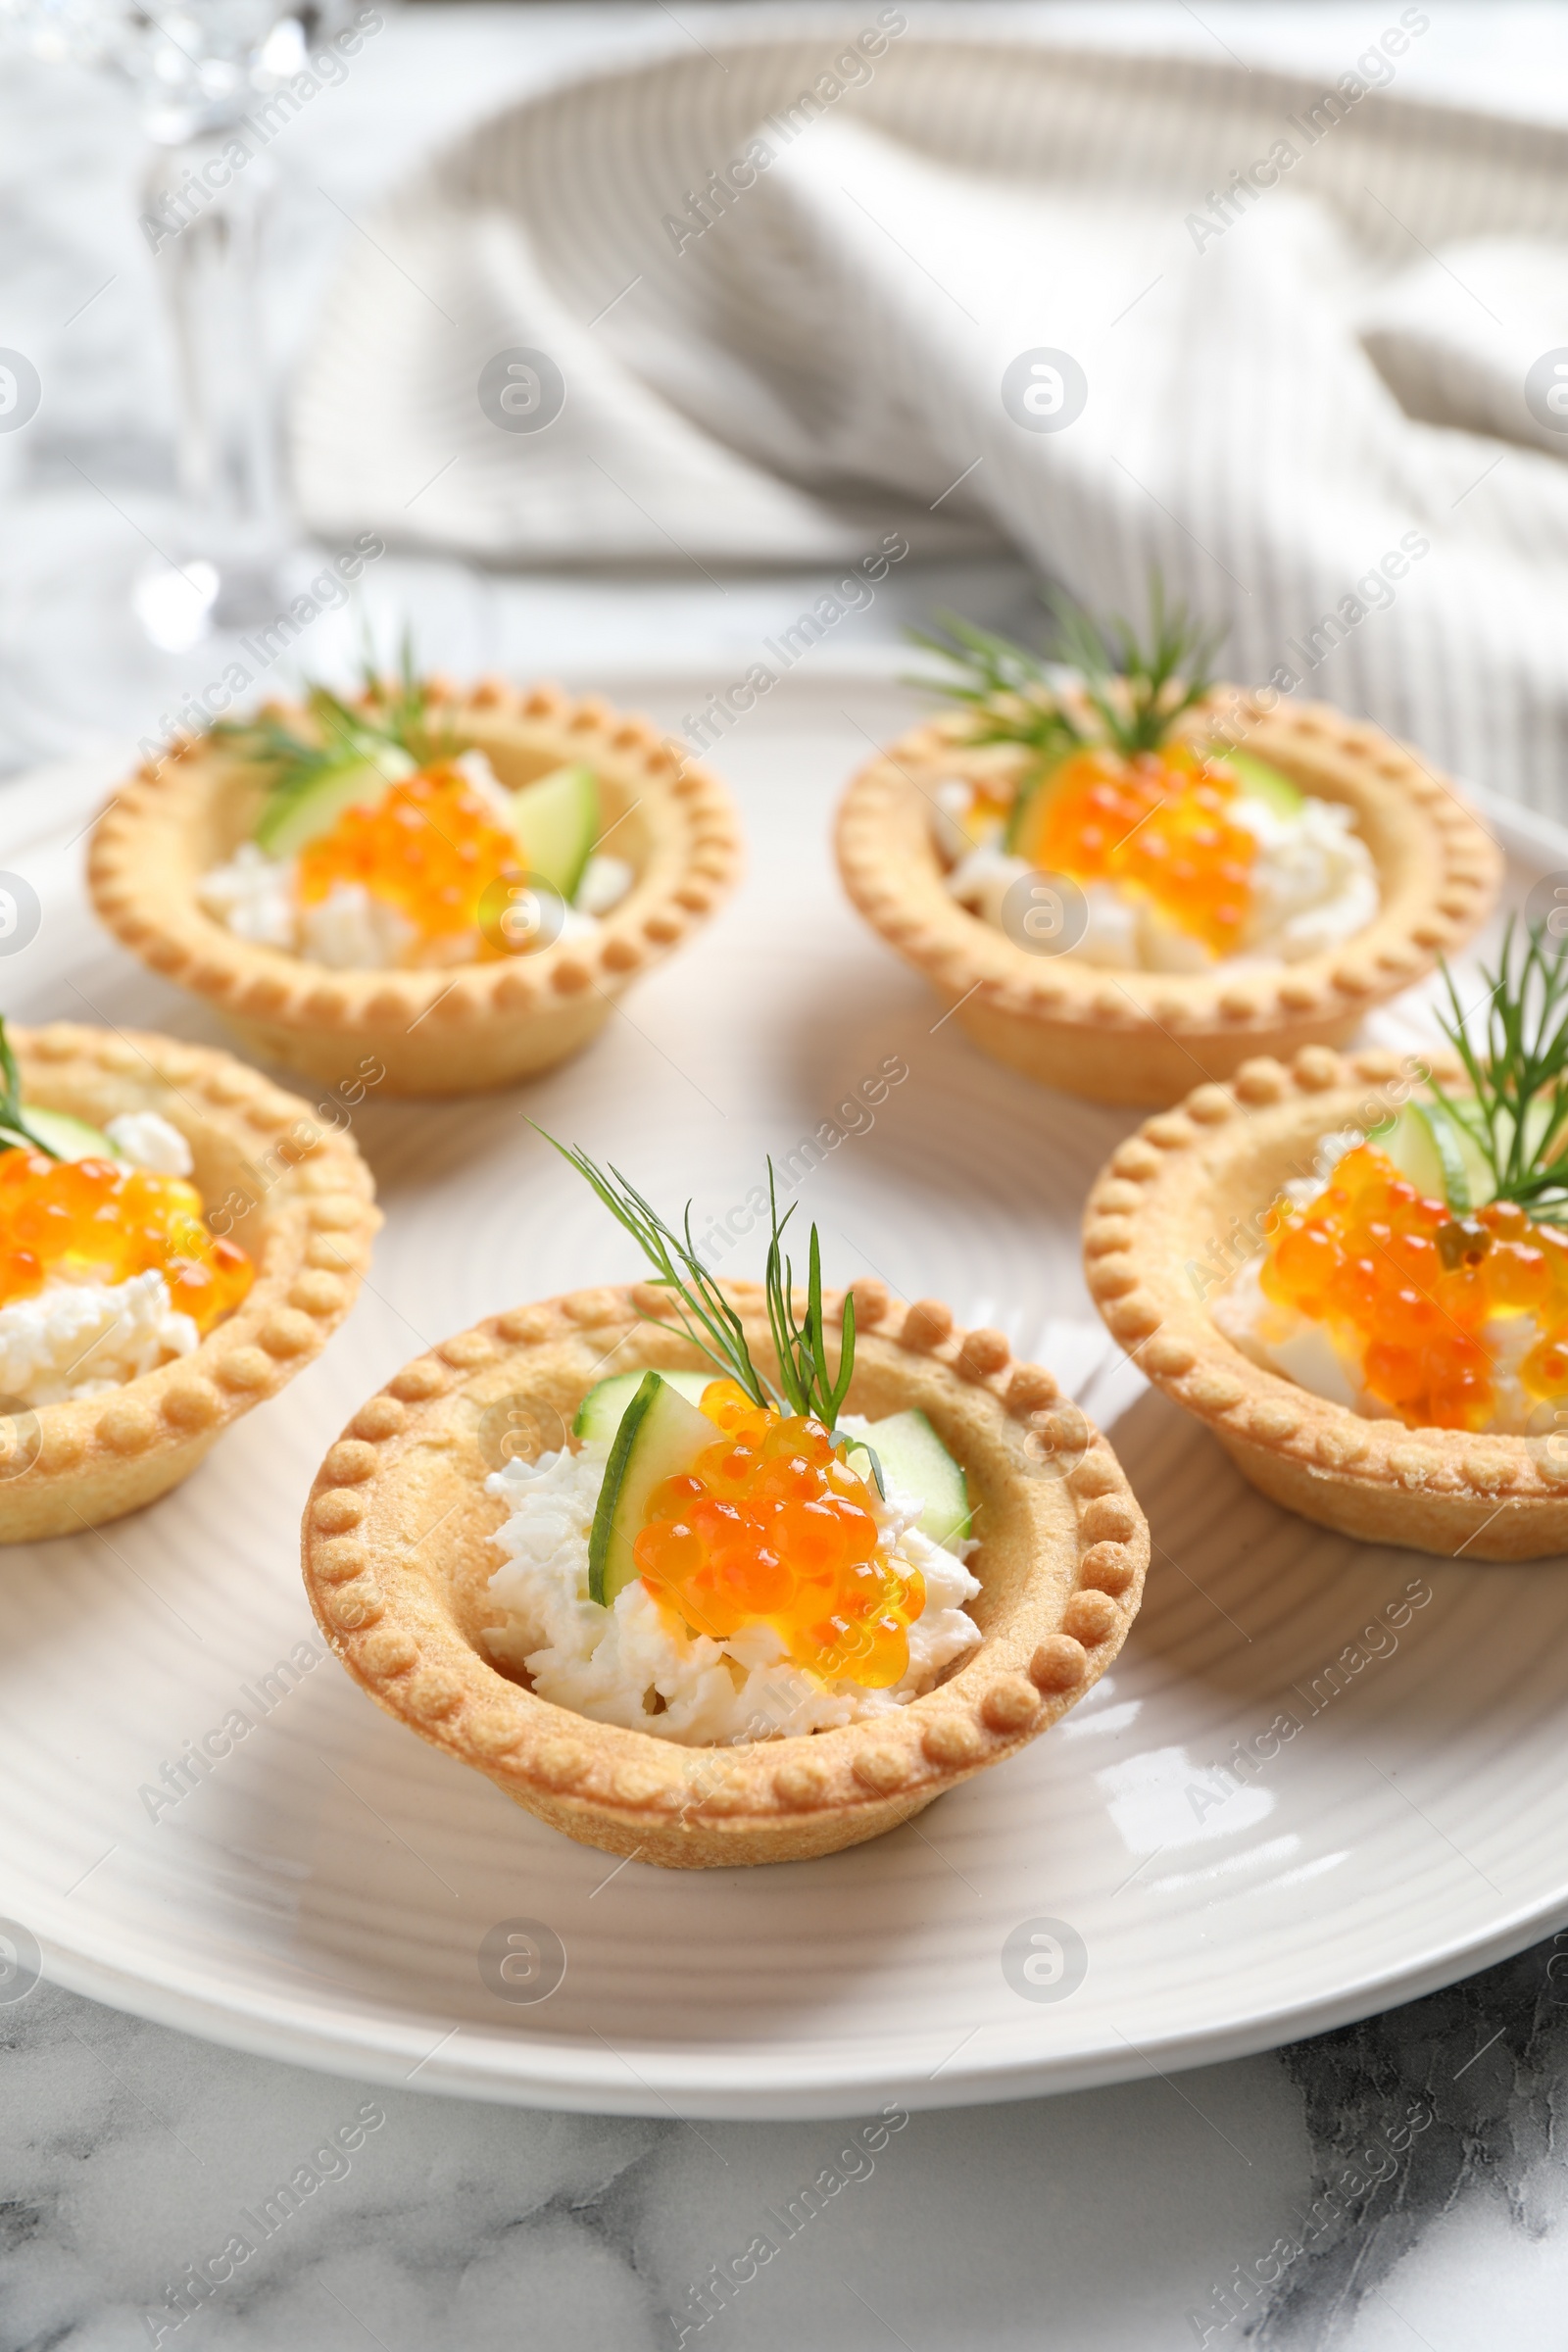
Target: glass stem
<point>206,220</point>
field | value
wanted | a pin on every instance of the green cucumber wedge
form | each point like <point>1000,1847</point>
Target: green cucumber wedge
<point>1029,806</point>
<point>914,1461</point>
<point>1261,782</point>
<point>66,1137</point>
<point>660,1433</point>
<point>1436,1152</point>
<point>556,822</point>
<point>293,819</point>
<point>600,1414</point>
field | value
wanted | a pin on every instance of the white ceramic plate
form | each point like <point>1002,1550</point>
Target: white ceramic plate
<point>323,1895</point>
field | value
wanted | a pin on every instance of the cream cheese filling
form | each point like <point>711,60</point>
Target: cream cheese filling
<point>637,1665</point>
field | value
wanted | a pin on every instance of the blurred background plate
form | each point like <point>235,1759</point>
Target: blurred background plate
<point>322,1892</point>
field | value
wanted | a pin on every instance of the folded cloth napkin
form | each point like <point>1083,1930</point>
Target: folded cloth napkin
<point>1296,342</point>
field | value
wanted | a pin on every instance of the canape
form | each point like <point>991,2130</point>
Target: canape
<point>1124,882</point>
<point>1355,1271</point>
<point>177,1240</point>
<point>725,1599</point>
<point>460,884</point>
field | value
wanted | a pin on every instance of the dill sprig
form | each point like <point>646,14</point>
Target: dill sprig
<point>14,1127</point>
<point>1519,1079</point>
<point>390,727</point>
<point>1138,685</point>
<point>806,1384</point>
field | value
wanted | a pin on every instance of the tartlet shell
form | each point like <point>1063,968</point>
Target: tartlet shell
<point>1062,1563</point>
<point>1145,1037</point>
<point>310,1232</point>
<point>438,1032</point>
<point>1183,1183</point>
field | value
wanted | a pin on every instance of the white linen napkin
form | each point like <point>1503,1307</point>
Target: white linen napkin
<point>802,294</point>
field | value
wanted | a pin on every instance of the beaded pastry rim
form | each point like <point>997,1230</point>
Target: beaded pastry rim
<point>317,1216</point>
<point>775,1799</point>
<point>897,886</point>
<point>693,860</point>
<point>1154,1211</point>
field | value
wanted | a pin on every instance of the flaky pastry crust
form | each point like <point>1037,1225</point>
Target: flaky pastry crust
<point>308,1225</point>
<point>1162,1218</point>
<point>437,1032</point>
<point>1144,1036</point>
<point>1063,1558</point>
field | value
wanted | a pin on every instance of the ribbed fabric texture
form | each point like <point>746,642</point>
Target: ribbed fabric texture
<point>1318,382</point>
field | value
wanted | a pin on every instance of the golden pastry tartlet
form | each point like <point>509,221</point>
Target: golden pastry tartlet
<point>1192,1204</point>
<point>447,1002</point>
<point>1063,1549</point>
<point>1126,885</point>
<point>289,1214</point>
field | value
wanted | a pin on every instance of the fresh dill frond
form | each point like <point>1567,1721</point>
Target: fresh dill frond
<point>390,729</point>
<point>14,1127</point>
<point>808,1384</point>
<point>1138,685</point>
<point>1519,1078</point>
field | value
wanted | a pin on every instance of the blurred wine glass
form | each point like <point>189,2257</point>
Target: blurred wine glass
<point>95,631</point>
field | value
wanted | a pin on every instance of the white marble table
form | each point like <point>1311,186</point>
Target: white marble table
<point>1285,2200</point>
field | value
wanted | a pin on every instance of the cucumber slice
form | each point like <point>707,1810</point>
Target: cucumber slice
<point>915,1461</point>
<point>1261,782</point>
<point>66,1137</point>
<point>294,819</point>
<point>1435,1149</point>
<point>600,1414</point>
<point>662,1433</point>
<point>556,822</point>
<point>1029,807</point>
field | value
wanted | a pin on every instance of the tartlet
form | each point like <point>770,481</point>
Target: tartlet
<point>436,1031</point>
<point>308,1228</point>
<point>1193,1176</point>
<point>1064,1551</point>
<point>1140,1037</point>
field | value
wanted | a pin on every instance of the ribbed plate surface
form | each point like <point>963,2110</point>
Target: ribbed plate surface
<point>322,1896</point>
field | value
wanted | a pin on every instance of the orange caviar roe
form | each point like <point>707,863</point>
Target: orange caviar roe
<point>1157,825</point>
<point>97,1220</point>
<point>1412,1286</point>
<point>771,1524</point>
<point>430,847</point>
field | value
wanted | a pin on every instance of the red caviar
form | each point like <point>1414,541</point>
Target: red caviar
<point>1158,826</point>
<point>771,1525</point>
<point>97,1220</point>
<point>1413,1287</point>
<point>432,846</point>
